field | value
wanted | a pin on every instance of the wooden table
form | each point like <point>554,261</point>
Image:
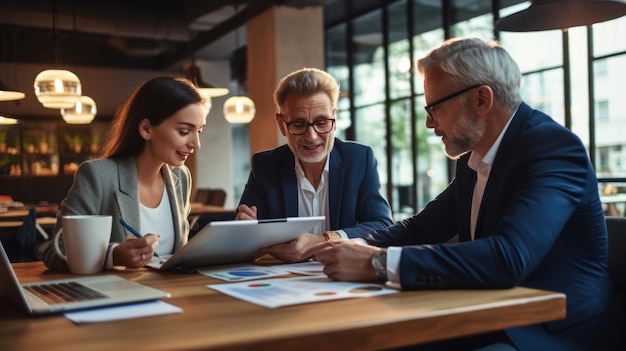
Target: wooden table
<point>20,213</point>
<point>8,228</point>
<point>213,321</point>
<point>198,209</point>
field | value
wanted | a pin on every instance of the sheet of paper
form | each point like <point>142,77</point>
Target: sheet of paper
<point>241,272</point>
<point>145,309</point>
<point>280,292</point>
<point>156,263</point>
<point>304,268</point>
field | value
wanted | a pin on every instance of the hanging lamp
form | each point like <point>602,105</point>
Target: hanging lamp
<point>83,111</point>
<point>7,94</point>
<point>7,120</point>
<point>56,88</point>
<point>561,14</point>
<point>207,90</point>
<point>239,109</point>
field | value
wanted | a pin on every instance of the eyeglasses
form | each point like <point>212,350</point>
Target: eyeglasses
<point>320,126</point>
<point>431,107</point>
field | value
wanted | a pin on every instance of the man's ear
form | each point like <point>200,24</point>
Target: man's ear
<point>281,125</point>
<point>145,129</point>
<point>484,100</point>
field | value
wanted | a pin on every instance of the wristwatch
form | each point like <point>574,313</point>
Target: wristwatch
<point>332,235</point>
<point>379,262</point>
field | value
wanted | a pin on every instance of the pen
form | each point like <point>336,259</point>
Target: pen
<point>136,233</point>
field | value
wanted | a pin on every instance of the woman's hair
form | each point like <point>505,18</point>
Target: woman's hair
<point>470,61</point>
<point>156,99</point>
<point>306,82</point>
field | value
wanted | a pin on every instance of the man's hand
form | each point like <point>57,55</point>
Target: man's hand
<point>345,260</point>
<point>294,251</point>
<point>245,212</point>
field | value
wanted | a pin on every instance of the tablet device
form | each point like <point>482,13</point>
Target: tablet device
<point>225,242</point>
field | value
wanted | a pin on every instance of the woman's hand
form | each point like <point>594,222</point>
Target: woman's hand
<point>135,252</point>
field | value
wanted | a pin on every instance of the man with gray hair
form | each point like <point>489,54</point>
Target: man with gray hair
<point>524,204</point>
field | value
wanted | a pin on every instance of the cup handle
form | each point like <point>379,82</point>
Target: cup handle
<point>56,244</point>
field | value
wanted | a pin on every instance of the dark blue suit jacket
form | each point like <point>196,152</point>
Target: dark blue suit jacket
<point>355,202</point>
<point>540,225</point>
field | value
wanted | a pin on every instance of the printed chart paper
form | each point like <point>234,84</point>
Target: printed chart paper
<point>274,293</point>
<point>241,272</point>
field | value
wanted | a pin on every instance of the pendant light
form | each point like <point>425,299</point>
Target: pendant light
<point>7,120</point>
<point>56,88</point>
<point>207,90</point>
<point>83,111</point>
<point>239,109</point>
<point>561,14</point>
<point>6,94</point>
<point>9,95</point>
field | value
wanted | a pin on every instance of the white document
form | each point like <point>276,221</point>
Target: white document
<point>304,268</point>
<point>146,309</point>
<point>280,292</point>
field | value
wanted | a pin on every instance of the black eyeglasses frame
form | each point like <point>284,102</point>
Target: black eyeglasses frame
<point>311,124</point>
<point>430,107</point>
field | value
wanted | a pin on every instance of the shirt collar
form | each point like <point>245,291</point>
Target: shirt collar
<point>475,161</point>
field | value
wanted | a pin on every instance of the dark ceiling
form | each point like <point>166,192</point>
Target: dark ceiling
<point>135,34</point>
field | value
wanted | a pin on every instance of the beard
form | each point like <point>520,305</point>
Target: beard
<point>464,136</point>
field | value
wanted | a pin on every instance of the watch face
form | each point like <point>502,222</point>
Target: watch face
<point>378,261</point>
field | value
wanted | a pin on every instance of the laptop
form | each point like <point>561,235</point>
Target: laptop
<point>56,296</point>
<point>226,242</point>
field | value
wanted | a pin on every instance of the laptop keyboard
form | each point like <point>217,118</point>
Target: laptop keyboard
<point>64,292</point>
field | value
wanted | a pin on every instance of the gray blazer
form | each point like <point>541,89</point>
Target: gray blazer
<point>109,187</point>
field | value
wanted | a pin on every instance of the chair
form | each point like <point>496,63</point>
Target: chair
<point>25,241</point>
<point>616,229</point>
<point>198,222</point>
<point>215,197</point>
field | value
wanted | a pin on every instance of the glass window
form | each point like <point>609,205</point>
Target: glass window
<point>368,54</point>
<point>370,130</point>
<point>608,37</point>
<point>337,66</point>
<point>473,19</point>
<point>399,61</point>
<point>419,169</point>
<point>402,159</point>
<point>541,92</point>
<point>609,51</point>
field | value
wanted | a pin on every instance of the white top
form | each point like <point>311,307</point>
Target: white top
<point>159,220</point>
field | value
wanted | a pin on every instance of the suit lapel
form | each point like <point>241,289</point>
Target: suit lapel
<point>499,163</point>
<point>290,186</point>
<point>465,180</point>
<point>335,178</point>
<point>171,184</point>
<point>127,197</point>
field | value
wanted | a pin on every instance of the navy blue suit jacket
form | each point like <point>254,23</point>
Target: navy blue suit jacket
<point>540,225</point>
<point>355,202</point>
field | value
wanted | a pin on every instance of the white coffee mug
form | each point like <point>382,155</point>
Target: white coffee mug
<point>85,239</point>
